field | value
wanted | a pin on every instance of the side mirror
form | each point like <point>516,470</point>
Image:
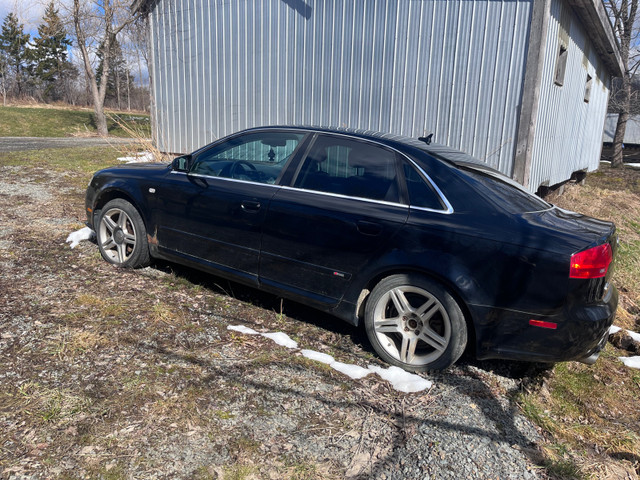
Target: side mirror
<point>181,164</point>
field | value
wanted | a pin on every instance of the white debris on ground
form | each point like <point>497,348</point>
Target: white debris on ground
<point>141,157</point>
<point>352,371</point>
<point>243,329</point>
<point>281,339</point>
<point>78,236</point>
<point>631,362</point>
<point>399,379</point>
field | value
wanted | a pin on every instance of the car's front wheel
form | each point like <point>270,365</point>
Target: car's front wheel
<point>121,235</point>
<point>415,323</point>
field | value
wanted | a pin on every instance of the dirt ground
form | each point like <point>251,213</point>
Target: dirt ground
<point>110,373</point>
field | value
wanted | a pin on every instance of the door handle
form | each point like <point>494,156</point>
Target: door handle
<point>250,206</point>
<point>369,228</point>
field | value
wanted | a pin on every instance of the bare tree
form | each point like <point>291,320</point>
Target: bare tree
<point>624,15</point>
<point>97,24</point>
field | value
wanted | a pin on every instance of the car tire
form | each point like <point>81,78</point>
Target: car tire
<point>414,323</point>
<point>122,236</point>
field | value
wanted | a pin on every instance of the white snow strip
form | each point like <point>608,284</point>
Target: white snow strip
<point>78,236</point>
<point>631,362</point>
<point>242,329</point>
<point>318,357</point>
<point>354,371</point>
<point>634,335</point>
<point>281,339</point>
<point>141,157</point>
<point>402,380</point>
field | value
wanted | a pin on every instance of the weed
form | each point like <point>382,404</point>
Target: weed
<point>223,414</point>
<point>238,472</point>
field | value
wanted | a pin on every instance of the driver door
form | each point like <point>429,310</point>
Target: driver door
<point>213,214</point>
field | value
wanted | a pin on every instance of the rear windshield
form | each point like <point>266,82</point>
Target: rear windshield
<point>504,192</point>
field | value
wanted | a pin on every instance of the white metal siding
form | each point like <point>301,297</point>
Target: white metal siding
<point>568,134</point>
<point>453,67</point>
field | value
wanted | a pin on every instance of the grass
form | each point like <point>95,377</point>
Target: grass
<point>591,413</point>
<point>64,122</point>
<point>113,338</point>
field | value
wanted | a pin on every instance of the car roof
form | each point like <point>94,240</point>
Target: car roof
<point>401,142</point>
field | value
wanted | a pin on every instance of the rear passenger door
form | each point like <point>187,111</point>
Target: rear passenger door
<point>340,213</point>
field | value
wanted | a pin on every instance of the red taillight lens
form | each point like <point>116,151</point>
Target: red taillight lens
<point>591,263</point>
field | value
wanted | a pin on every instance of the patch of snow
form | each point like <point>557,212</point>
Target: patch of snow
<point>632,165</point>
<point>354,371</point>
<point>318,357</point>
<point>631,362</point>
<point>78,236</point>
<point>401,380</point>
<point>281,339</point>
<point>141,157</point>
<point>242,329</point>
<point>635,336</point>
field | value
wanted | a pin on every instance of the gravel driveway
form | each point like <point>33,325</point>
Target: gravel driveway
<point>134,373</point>
<point>14,144</point>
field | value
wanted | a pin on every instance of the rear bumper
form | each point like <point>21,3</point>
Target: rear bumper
<point>580,335</point>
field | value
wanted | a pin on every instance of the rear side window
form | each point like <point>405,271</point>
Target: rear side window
<point>349,167</point>
<point>505,193</point>
<point>421,194</point>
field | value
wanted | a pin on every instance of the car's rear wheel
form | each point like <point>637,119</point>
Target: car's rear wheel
<point>121,235</point>
<point>415,323</point>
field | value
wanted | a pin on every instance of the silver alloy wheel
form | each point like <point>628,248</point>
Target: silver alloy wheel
<point>411,325</point>
<point>117,235</point>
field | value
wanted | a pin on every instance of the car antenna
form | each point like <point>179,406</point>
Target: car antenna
<point>426,139</point>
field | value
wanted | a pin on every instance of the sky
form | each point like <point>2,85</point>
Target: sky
<point>30,12</point>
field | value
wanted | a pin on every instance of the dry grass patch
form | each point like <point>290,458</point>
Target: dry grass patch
<point>591,412</point>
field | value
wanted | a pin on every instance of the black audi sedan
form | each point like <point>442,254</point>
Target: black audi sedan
<point>428,247</point>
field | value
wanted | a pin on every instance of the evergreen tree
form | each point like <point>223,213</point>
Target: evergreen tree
<point>52,68</point>
<point>119,78</point>
<point>13,44</point>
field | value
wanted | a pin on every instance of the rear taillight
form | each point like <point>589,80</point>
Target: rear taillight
<point>591,263</point>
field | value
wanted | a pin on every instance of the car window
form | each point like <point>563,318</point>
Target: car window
<point>421,193</point>
<point>506,193</point>
<point>256,157</point>
<point>348,167</point>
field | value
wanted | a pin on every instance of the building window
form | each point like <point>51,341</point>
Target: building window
<point>561,65</point>
<point>587,88</point>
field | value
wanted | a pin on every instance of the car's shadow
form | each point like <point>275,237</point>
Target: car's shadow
<point>529,373</point>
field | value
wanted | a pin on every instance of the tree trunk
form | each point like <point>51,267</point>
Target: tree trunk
<point>617,159</point>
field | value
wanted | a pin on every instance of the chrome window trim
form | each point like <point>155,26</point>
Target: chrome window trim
<point>236,180</point>
<point>446,211</point>
<point>346,197</point>
<point>449,209</point>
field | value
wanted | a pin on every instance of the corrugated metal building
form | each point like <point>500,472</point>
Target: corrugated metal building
<point>521,84</point>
